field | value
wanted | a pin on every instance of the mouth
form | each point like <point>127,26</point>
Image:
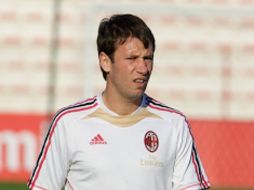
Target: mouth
<point>140,80</point>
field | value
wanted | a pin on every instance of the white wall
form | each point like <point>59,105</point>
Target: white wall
<point>204,62</point>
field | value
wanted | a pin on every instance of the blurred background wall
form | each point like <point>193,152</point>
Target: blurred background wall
<point>204,66</point>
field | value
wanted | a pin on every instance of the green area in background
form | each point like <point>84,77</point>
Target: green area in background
<point>13,186</point>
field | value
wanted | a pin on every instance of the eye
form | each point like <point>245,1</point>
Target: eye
<point>131,58</point>
<point>149,58</point>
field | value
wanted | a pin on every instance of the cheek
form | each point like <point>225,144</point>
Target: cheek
<point>150,66</point>
<point>125,69</point>
<point>120,73</point>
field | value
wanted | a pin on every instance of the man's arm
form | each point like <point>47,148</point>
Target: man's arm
<point>52,165</point>
<point>189,173</point>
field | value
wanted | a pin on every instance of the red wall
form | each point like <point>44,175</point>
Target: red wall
<point>20,137</point>
<point>227,151</point>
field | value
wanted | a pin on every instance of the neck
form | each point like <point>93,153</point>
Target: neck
<point>119,104</point>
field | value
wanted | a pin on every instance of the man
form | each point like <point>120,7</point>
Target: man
<point>121,139</point>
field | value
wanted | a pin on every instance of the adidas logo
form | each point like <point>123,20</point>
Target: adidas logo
<point>98,139</point>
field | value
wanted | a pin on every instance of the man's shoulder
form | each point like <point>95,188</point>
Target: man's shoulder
<point>162,109</point>
<point>77,109</point>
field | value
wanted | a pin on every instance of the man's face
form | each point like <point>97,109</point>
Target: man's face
<point>129,74</point>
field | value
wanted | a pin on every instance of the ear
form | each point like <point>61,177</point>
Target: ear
<point>105,62</point>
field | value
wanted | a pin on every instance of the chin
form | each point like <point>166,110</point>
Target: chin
<point>136,95</point>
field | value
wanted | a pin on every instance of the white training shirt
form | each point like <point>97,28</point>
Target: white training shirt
<point>88,147</point>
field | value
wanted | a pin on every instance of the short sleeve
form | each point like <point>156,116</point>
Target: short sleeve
<point>52,165</point>
<point>188,171</point>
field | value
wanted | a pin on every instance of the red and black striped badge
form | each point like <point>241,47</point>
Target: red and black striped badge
<point>151,141</point>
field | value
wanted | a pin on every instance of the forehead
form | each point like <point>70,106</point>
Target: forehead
<point>132,45</point>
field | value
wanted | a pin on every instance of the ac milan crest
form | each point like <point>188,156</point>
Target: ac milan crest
<point>151,141</point>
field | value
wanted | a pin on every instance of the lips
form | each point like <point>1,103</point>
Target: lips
<point>140,80</point>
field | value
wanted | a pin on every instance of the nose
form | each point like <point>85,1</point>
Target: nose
<point>143,67</point>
